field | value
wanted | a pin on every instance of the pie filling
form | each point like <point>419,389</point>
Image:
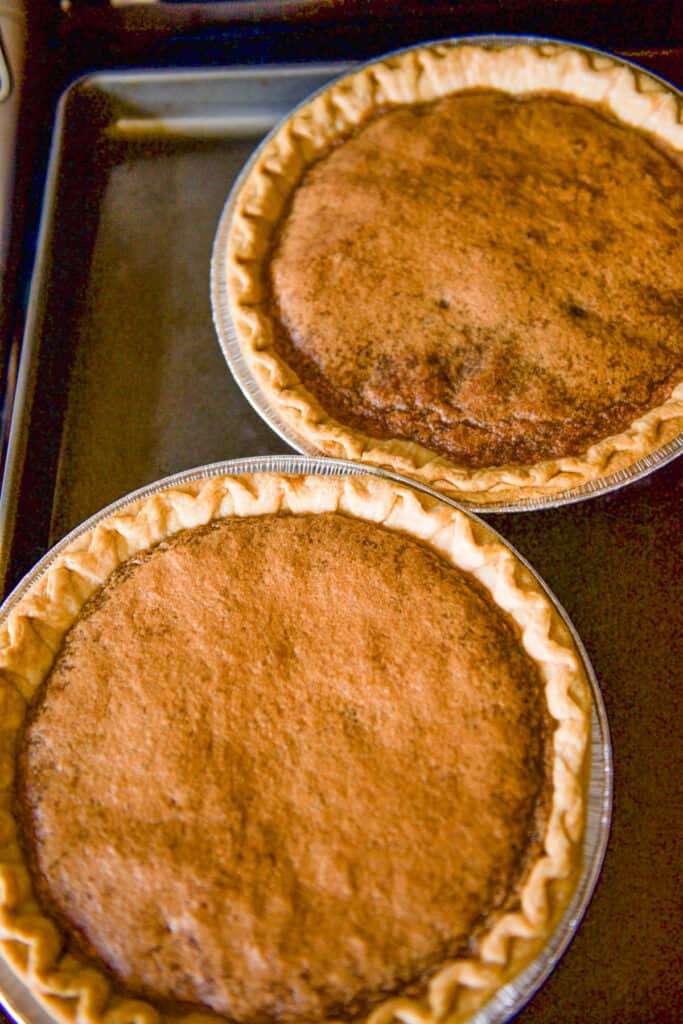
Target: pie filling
<point>498,278</point>
<point>284,766</point>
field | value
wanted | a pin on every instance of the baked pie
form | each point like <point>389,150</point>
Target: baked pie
<point>282,747</point>
<point>465,263</point>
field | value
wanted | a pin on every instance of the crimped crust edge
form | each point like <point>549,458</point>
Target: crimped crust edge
<point>32,633</point>
<point>421,74</point>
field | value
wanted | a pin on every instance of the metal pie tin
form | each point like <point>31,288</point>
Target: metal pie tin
<point>20,1003</point>
<point>243,375</point>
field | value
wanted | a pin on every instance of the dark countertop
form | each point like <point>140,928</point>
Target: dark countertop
<point>616,564</point>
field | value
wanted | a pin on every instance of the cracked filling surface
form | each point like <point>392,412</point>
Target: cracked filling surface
<point>497,278</point>
<point>284,766</point>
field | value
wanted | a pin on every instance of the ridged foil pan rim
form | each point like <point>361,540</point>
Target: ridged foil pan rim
<point>22,1005</point>
<point>238,365</point>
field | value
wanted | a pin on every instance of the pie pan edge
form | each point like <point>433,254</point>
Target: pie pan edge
<point>27,938</point>
<point>516,64</point>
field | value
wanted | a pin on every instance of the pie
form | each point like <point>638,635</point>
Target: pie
<point>465,263</point>
<point>283,747</point>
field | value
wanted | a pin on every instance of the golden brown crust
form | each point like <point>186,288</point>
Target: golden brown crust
<point>260,848</point>
<point>423,75</point>
<point>499,279</point>
<point>33,634</point>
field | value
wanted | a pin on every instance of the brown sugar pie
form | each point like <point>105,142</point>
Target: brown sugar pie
<point>291,748</point>
<point>465,263</point>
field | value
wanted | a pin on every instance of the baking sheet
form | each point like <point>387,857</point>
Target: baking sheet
<point>122,382</point>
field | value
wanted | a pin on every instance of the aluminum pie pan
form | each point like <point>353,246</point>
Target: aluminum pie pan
<point>251,389</point>
<point>18,1001</point>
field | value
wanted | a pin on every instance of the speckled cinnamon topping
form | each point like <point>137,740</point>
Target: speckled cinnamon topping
<point>282,765</point>
<point>497,278</point>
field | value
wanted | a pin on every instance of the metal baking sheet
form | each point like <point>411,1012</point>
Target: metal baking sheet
<point>512,996</point>
<point>121,379</point>
<point>122,382</point>
<point>287,430</point>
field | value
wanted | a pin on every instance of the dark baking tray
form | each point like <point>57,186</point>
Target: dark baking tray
<point>122,382</point>
<point>121,378</point>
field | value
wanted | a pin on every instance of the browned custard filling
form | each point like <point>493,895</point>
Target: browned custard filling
<point>497,278</point>
<point>283,766</point>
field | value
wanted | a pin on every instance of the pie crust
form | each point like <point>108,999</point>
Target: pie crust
<point>264,196</point>
<point>34,630</point>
